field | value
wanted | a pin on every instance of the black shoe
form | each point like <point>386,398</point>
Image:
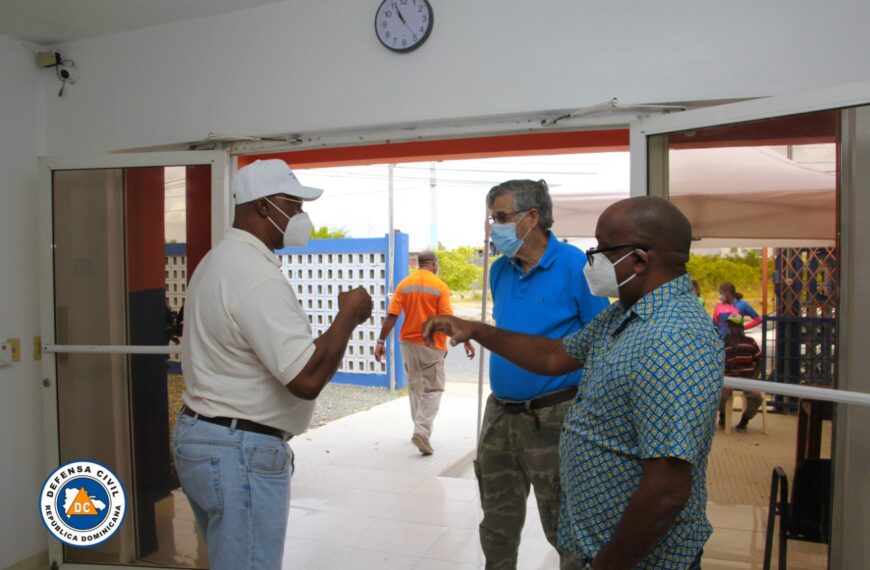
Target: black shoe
<point>742,424</point>
<point>721,421</point>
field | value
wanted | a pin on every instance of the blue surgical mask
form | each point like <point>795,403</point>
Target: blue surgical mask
<point>504,237</point>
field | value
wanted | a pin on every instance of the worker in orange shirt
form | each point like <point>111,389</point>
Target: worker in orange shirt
<point>421,295</point>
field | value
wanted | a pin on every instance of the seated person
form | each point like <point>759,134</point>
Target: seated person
<point>743,360</point>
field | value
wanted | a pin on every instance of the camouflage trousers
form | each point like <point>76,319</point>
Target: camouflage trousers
<point>513,454</point>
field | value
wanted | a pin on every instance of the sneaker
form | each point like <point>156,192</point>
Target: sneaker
<point>422,444</point>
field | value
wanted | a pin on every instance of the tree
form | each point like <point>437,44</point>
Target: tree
<point>744,271</point>
<point>324,232</point>
<point>456,269</point>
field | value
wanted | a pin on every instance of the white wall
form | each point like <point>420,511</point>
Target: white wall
<point>309,65</point>
<point>306,65</point>
<point>21,432</point>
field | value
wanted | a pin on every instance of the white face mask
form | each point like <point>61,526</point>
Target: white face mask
<point>298,228</point>
<point>601,276</point>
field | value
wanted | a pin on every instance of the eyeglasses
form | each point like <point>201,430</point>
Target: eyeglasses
<point>293,200</point>
<point>502,217</point>
<point>590,253</point>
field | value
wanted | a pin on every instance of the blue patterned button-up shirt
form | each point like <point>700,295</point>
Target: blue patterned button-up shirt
<point>651,389</point>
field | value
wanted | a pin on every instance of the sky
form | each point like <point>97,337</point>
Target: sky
<point>355,198</point>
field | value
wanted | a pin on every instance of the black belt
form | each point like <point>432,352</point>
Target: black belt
<point>544,401</point>
<point>529,406</point>
<point>244,425</point>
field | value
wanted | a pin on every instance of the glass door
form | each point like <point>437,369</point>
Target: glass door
<point>781,183</point>
<point>121,235</point>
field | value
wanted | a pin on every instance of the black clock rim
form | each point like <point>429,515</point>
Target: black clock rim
<point>416,45</point>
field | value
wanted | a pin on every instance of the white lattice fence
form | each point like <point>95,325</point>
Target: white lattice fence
<point>323,269</point>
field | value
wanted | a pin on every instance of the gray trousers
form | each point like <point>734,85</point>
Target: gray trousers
<point>425,369</point>
<point>753,402</point>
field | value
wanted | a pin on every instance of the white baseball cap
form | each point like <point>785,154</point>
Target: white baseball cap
<point>267,177</point>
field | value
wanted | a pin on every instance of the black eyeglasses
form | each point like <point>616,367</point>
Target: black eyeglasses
<point>590,253</point>
<point>502,217</point>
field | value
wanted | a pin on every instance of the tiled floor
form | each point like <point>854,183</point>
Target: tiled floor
<point>363,497</point>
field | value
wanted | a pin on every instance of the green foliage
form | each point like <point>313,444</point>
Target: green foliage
<point>456,268</point>
<point>324,232</point>
<point>710,271</point>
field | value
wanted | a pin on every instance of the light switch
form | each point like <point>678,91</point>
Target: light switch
<point>15,343</point>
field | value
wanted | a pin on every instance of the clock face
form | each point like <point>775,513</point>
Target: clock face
<point>403,25</point>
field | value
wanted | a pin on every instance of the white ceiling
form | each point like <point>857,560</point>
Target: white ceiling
<point>49,22</point>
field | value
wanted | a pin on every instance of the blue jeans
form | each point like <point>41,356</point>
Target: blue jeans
<point>238,484</point>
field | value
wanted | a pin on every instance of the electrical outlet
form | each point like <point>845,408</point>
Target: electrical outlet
<point>15,344</point>
<point>37,348</point>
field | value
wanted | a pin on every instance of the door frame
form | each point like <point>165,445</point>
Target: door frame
<point>649,175</point>
<point>221,202</point>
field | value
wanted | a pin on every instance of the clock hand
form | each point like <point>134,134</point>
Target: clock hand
<point>402,18</point>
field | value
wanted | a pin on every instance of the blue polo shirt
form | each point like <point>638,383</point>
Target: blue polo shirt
<point>551,300</point>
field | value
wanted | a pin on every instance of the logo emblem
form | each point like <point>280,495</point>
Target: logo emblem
<point>82,503</point>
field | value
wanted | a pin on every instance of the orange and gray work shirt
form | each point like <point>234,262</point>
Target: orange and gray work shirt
<point>421,295</point>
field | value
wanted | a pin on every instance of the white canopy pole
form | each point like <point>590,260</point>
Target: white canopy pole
<point>391,268</point>
<point>484,292</point>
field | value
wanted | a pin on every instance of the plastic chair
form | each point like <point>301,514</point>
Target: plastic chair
<point>730,409</point>
<point>808,516</point>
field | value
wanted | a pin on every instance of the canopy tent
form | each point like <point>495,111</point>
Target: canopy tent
<point>734,196</point>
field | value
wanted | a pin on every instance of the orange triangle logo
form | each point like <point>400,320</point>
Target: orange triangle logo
<point>82,505</point>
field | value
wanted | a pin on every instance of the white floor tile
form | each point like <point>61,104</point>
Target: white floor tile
<point>330,528</point>
<point>302,554</point>
<point>346,557</point>
<point>532,527</point>
<point>398,537</point>
<point>426,510</point>
<point>448,488</point>
<point>457,545</point>
<point>429,564</point>
<point>330,475</point>
<point>537,554</point>
<point>312,498</point>
<point>362,502</point>
<point>470,517</point>
<point>389,481</point>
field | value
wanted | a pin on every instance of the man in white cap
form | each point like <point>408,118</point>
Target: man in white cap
<point>252,371</point>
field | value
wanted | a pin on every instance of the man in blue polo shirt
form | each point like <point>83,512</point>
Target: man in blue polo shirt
<point>538,288</point>
<point>635,443</point>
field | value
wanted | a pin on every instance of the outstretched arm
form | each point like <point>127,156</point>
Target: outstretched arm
<point>538,354</point>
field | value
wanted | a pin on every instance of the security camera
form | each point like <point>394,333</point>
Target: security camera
<point>67,73</point>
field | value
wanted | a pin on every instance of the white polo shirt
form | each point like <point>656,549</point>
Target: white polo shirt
<point>245,337</point>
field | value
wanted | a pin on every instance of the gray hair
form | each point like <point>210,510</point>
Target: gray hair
<point>527,194</point>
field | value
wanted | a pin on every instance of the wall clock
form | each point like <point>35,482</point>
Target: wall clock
<point>403,25</point>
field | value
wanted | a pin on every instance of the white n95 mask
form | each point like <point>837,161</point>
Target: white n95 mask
<point>298,228</point>
<point>601,275</point>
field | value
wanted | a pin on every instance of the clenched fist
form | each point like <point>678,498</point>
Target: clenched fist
<point>356,302</point>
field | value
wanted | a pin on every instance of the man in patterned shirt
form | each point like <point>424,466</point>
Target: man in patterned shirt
<point>635,443</point>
